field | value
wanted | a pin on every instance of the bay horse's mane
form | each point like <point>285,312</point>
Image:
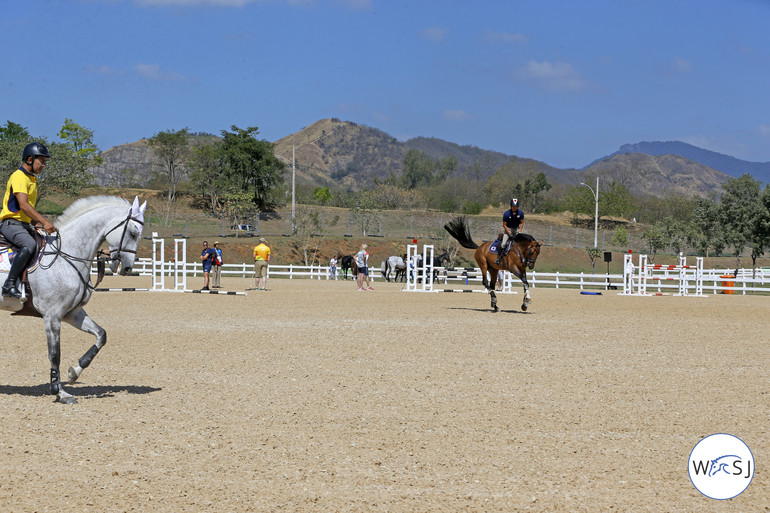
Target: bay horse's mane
<point>524,236</point>
<point>84,205</point>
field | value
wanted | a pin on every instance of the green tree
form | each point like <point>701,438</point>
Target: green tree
<point>206,165</point>
<point>171,147</point>
<point>14,132</point>
<point>322,195</point>
<point>66,170</point>
<point>82,141</point>
<point>620,237</point>
<point>615,200</point>
<point>253,163</point>
<point>741,213</point>
<point>655,236</point>
<point>593,254</point>
<point>707,218</point>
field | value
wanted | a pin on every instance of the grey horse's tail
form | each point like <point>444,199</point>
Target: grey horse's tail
<point>458,228</point>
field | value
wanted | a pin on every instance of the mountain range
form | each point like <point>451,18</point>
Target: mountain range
<point>342,154</point>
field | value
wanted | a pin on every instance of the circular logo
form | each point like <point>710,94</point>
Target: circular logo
<point>721,466</point>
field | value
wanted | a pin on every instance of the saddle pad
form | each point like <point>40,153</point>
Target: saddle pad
<point>494,248</point>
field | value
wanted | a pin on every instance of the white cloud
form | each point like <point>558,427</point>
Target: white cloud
<point>552,76</point>
<point>101,70</point>
<point>456,115</point>
<point>505,37</point>
<point>764,130</point>
<point>676,68</point>
<point>434,34</point>
<point>155,72</point>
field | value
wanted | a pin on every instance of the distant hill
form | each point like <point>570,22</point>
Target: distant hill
<point>345,155</point>
<point>660,175</point>
<point>729,165</point>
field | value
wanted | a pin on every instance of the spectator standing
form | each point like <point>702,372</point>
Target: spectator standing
<point>333,268</point>
<point>261,261</point>
<point>207,258</point>
<point>216,267</point>
<point>366,272</point>
<point>361,264</point>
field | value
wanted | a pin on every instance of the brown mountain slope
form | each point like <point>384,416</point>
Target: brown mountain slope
<point>660,176</point>
<point>345,155</point>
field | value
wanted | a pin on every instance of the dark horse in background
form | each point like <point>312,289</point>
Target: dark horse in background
<point>347,262</point>
<point>523,253</point>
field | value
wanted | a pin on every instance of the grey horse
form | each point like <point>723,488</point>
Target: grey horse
<point>59,284</point>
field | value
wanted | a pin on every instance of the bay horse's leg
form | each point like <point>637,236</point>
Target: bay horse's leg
<point>491,287</point>
<point>80,320</point>
<point>53,336</point>
<point>527,298</point>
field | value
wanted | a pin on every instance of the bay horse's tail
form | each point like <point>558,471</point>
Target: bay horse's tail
<point>458,228</point>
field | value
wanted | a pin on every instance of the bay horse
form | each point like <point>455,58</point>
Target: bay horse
<point>59,282</point>
<point>522,255</point>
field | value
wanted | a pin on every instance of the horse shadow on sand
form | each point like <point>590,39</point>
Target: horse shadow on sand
<point>488,310</point>
<point>83,392</point>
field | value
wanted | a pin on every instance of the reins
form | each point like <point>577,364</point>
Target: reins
<point>101,257</point>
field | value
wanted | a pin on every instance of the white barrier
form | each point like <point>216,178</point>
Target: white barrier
<point>421,271</point>
<point>636,279</point>
<point>177,268</point>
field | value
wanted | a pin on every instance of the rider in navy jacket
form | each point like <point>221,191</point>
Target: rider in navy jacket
<point>513,222</point>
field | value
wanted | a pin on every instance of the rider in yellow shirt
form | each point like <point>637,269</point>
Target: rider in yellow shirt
<point>19,212</point>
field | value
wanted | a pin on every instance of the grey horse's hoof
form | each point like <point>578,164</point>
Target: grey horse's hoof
<point>73,374</point>
<point>65,398</point>
<point>524,307</point>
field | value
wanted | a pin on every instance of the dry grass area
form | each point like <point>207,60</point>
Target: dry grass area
<point>314,397</point>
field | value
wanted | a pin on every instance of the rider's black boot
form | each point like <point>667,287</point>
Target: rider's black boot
<point>19,263</point>
<point>500,249</point>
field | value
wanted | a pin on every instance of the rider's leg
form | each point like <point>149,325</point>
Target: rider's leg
<point>19,264</point>
<point>501,249</point>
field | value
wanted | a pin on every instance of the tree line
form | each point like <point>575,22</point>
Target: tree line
<point>238,174</point>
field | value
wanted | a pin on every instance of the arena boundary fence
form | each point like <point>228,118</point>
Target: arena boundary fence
<point>746,281</point>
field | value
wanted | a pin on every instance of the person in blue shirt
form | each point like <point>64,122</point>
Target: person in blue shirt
<point>513,222</point>
<point>208,256</point>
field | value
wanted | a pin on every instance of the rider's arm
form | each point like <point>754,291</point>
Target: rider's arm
<point>33,214</point>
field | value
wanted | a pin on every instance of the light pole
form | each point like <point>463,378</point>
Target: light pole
<point>596,210</point>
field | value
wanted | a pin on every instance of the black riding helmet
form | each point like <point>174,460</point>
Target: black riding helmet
<point>35,150</point>
<point>514,202</point>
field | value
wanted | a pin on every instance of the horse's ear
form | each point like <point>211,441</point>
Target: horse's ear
<point>136,210</point>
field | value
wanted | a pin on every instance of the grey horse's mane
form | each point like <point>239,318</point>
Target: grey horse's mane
<point>83,205</point>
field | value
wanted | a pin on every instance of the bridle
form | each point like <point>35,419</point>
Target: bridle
<point>526,257</point>
<point>528,260</point>
<point>102,258</point>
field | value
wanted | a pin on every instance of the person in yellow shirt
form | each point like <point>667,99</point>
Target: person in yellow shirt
<point>19,212</point>
<point>261,260</point>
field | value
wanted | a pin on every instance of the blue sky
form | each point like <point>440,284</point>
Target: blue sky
<point>564,82</point>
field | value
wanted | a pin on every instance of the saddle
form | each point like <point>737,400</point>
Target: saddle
<point>494,247</point>
<point>8,252</point>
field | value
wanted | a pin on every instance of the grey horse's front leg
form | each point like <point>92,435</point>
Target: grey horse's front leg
<point>80,320</point>
<point>53,336</point>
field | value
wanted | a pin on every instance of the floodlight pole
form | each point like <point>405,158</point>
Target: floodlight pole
<point>595,194</point>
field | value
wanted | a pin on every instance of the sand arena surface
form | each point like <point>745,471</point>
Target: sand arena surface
<point>314,397</point>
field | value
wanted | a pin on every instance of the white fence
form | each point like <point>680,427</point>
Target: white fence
<point>745,280</point>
